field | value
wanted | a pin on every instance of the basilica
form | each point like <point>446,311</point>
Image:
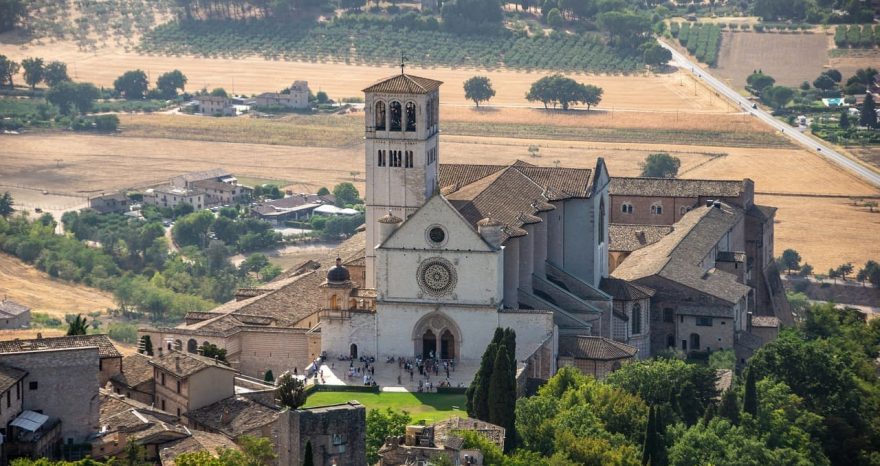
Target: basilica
<point>449,252</point>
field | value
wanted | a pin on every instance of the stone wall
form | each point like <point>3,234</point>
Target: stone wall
<point>276,349</point>
<point>337,434</point>
<point>61,384</point>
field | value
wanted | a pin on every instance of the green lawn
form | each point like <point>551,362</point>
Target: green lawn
<point>429,407</point>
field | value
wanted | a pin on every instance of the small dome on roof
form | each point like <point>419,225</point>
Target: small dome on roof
<point>389,218</point>
<point>338,273</point>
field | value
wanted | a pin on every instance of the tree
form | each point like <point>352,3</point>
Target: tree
<point>84,97</point>
<point>11,12</point>
<point>790,260</point>
<point>477,392</point>
<point>6,205</point>
<point>871,271</point>
<point>750,398</point>
<point>502,391</point>
<point>77,325</point>
<point>824,82</point>
<point>729,408</point>
<point>479,89</point>
<point>558,89</point>
<point>653,450</point>
<point>833,74</point>
<point>33,71</point>
<point>759,81</point>
<point>168,84</point>
<point>346,194</point>
<point>554,18</point>
<point>777,96</point>
<point>625,28</point>
<point>69,96</point>
<point>291,391</point>
<point>868,115</point>
<point>323,191</point>
<point>308,456</point>
<point>844,120</point>
<point>147,345</point>
<point>132,84</point>
<point>8,68</point>
<point>269,376</point>
<point>219,92</point>
<point>657,56</point>
<point>380,426</point>
<point>322,97</point>
<point>472,16</point>
<point>212,351</point>
<point>660,165</point>
<point>844,270</point>
<point>55,72</point>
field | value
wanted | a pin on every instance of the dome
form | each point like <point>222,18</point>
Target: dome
<point>338,273</point>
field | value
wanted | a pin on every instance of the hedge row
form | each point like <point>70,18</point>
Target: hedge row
<point>866,36</point>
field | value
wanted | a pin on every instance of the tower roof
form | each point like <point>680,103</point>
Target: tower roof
<point>404,84</point>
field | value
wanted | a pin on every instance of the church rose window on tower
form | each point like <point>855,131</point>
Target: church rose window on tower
<point>436,236</point>
<point>380,116</point>
<point>410,116</point>
<point>395,116</point>
<point>437,276</point>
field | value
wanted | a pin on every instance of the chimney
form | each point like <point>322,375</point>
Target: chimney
<point>490,230</point>
<point>224,417</point>
<point>387,224</point>
<point>709,202</point>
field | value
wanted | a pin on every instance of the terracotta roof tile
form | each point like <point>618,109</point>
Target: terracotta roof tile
<point>622,290</point>
<point>105,346</point>
<point>628,238</point>
<point>404,84</point>
<point>12,308</point>
<point>591,347</point>
<point>198,441</point>
<point>234,416</point>
<point>183,364</point>
<point>674,187</point>
<point>136,369</point>
<point>9,376</point>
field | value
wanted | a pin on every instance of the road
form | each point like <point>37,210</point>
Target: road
<point>793,134</point>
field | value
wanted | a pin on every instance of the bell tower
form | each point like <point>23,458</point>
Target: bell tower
<point>401,117</point>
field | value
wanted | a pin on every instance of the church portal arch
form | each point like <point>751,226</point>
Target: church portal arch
<point>192,346</point>
<point>437,334</point>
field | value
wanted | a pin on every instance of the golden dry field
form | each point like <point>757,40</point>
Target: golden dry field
<point>790,58</point>
<point>26,285</point>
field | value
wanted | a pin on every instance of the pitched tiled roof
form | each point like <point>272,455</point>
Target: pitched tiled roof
<point>210,173</point>
<point>622,290</point>
<point>598,348</point>
<point>105,346</point>
<point>291,203</point>
<point>674,187</point>
<point>234,416</point>
<point>762,212</point>
<point>198,441</point>
<point>9,376</point>
<point>677,255</point>
<point>404,84</point>
<point>512,194</point>
<point>136,369</point>
<point>185,364</point>
<point>12,308</point>
<point>628,238</point>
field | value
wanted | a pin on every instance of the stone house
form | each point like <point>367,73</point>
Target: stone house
<point>187,180</point>
<point>215,105</point>
<point>238,416</point>
<point>135,380</point>
<point>295,100</point>
<point>170,196</point>
<point>110,203</point>
<point>593,355</point>
<point>11,388</point>
<point>632,314</point>
<point>220,193</point>
<point>14,315</point>
<point>186,381</point>
<point>337,434</point>
<point>109,358</point>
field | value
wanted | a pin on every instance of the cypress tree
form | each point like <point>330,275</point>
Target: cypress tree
<point>729,406</point>
<point>509,339</point>
<point>477,392</point>
<point>308,457</point>
<point>650,437</point>
<point>502,394</point>
<point>750,400</point>
<point>844,120</point>
<point>868,115</point>
<point>710,413</point>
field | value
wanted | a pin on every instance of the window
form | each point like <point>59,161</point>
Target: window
<point>178,412</point>
<point>657,209</point>
<point>410,116</point>
<point>100,364</point>
<point>409,159</point>
<point>704,321</point>
<point>684,209</point>
<point>602,220</point>
<point>395,116</point>
<point>381,159</point>
<point>695,341</point>
<point>626,208</point>
<point>684,345</point>
<point>636,319</point>
<point>163,405</point>
<point>163,379</point>
<point>396,158</point>
<point>32,385</point>
<point>178,386</point>
<point>380,116</point>
<point>667,314</point>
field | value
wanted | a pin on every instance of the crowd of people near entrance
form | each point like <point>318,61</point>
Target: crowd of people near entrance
<point>426,367</point>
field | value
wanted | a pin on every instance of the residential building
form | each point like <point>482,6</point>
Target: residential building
<point>296,207</point>
<point>11,388</point>
<point>187,180</point>
<point>110,203</point>
<point>337,434</point>
<point>592,355</point>
<point>237,416</point>
<point>220,193</point>
<point>296,98</point>
<point>135,380</point>
<point>215,105</point>
<point>171,196</point>
<point>186,381</point>
<point>109,358</point>
<point>424,444</point>
<point>14,315</point>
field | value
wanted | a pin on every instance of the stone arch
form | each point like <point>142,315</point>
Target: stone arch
<point>410,116</point>
<point>395,113</point>
<point>439,324</point>
<point>353,351</point>
<point>334,301</point>
<point>192,346</point>
<point>379,116</point>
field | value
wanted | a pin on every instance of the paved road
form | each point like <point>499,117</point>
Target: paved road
<point>807,142</point>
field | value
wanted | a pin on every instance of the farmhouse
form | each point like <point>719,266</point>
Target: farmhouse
<point>110,203</point>
<point>215,105</point>
<point>294,207</point>
<point>172,196</point>
<point>14,315</point>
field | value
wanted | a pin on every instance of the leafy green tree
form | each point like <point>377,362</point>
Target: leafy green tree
<point>8,68</point>
<point>758,81</point>
<point>868,113</point>
<point>824,82</point>
<point>479,89</point>
<point>380,426</point>
<point>69,96</point>
<point>560,90</point>
<point>54,73</point>
<point>845,270</point>
<point>554,18</point>
<point>660,165</point>
<point>323,191</point>
<point>322,97</point>
<point>6,205</point>
<point>210,350</point>
<point>77,325</point>
<point>169,83</point>
<point>718,442</point>
<point>134,454</point>
<point>871,270</point>
<point>11,12</point>
<point>346,194</point>
<point>255,451</point>
<point>472,16</point>
<point>833,74</point>
<point>844,120</point>
<point>219,92</point>
<point>729,408</point>
<point>790,260</point>
<point>657,56</point>
<point>291,391</point>
<point>192,229</point>
<point>625,28</point>
<point>750,399</point>
<point>33,71</point>
<point>132,84</point>
<point>777,96</point>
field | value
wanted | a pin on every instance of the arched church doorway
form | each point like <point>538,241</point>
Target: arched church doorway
<point>353,351</point>
<point>447,345</point>
<point>429,344</point>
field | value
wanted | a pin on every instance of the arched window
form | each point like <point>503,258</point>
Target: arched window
<point>192,346</point>
<point>636,319</point>
<point>626,208</point>
<point>380,116</point>
<point>410,116</point>
<point>657,209</point>
<point>381,158</point>
<point>395,116</point>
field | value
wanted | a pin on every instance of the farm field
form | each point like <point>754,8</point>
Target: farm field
<point>119,162</point>
<point>253,75</point>
<point>430,407</point>
<point>27,285</point>
<point>790,58</point>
